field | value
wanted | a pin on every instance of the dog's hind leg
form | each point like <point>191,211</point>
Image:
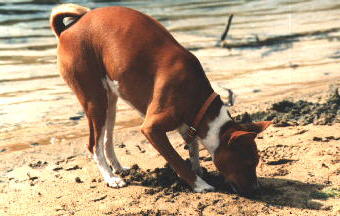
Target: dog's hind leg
<point>101,122</point>
<point>109,125</point>
<point>86,77</point>
<point>98,109</point>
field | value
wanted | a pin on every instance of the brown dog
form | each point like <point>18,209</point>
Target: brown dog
<point>114,52</point>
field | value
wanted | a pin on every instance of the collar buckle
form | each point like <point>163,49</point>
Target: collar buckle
<point>191,132</point>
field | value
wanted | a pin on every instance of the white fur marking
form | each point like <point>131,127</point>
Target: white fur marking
<point>202,186</point>
<point>67,8</point>
<point>113,84</point>
<point>212,140</point>
<point>108,136</point>
<point>116,182</point>
<point>104,168</point>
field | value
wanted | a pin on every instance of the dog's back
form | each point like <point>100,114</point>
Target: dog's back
<point>130,47</point>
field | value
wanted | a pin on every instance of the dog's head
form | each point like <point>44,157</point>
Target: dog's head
<point>237,157</point>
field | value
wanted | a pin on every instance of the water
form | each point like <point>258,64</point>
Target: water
<point>302,34</point>
<point>25,36</point>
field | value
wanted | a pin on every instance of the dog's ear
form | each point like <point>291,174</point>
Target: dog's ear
<point>228,97</point>
<point>256,127</point>
<point>241,137</point>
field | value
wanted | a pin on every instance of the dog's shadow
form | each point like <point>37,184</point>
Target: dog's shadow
<point>290,193</point>
<point>279,192</point>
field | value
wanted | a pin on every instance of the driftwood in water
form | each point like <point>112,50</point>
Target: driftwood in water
<point>281,39</point>
<point>225,33</point>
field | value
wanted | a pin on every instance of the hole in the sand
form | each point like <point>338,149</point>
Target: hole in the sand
<point>166,180</point>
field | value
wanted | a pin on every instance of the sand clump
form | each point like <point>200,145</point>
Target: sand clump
<point>301,112</point>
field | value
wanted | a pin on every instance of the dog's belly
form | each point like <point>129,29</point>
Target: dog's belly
<point>114,87</point>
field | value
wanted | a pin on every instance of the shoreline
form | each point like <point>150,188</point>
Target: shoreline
<point>40,105</point>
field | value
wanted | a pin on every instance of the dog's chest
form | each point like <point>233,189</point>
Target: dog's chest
<point>212,140</point>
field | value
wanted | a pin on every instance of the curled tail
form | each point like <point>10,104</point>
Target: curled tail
<point>60,12</point>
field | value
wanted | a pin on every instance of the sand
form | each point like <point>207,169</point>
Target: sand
<point>299,169</point>
<point>45,168</point>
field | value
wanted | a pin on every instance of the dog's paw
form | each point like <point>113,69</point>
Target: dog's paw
<point>201,186</point>
<point>126,168</point>
<point>115,182</point>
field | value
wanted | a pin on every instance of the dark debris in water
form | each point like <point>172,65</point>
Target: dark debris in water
<point>79,116</point>
<point>3,150</point>
<point>325,139</point>
<point>288,113</point>
<point>165,180</point>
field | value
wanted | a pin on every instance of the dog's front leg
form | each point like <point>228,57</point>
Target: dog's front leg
<point>193,150</point>
<point>156,134</point>
<point>194,157</point>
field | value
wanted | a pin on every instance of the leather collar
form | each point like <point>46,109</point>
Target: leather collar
<point>192,131</point>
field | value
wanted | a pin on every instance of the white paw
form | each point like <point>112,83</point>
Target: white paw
<point>201,186</point>
<point>115,182</point>
<point>126,168</point>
